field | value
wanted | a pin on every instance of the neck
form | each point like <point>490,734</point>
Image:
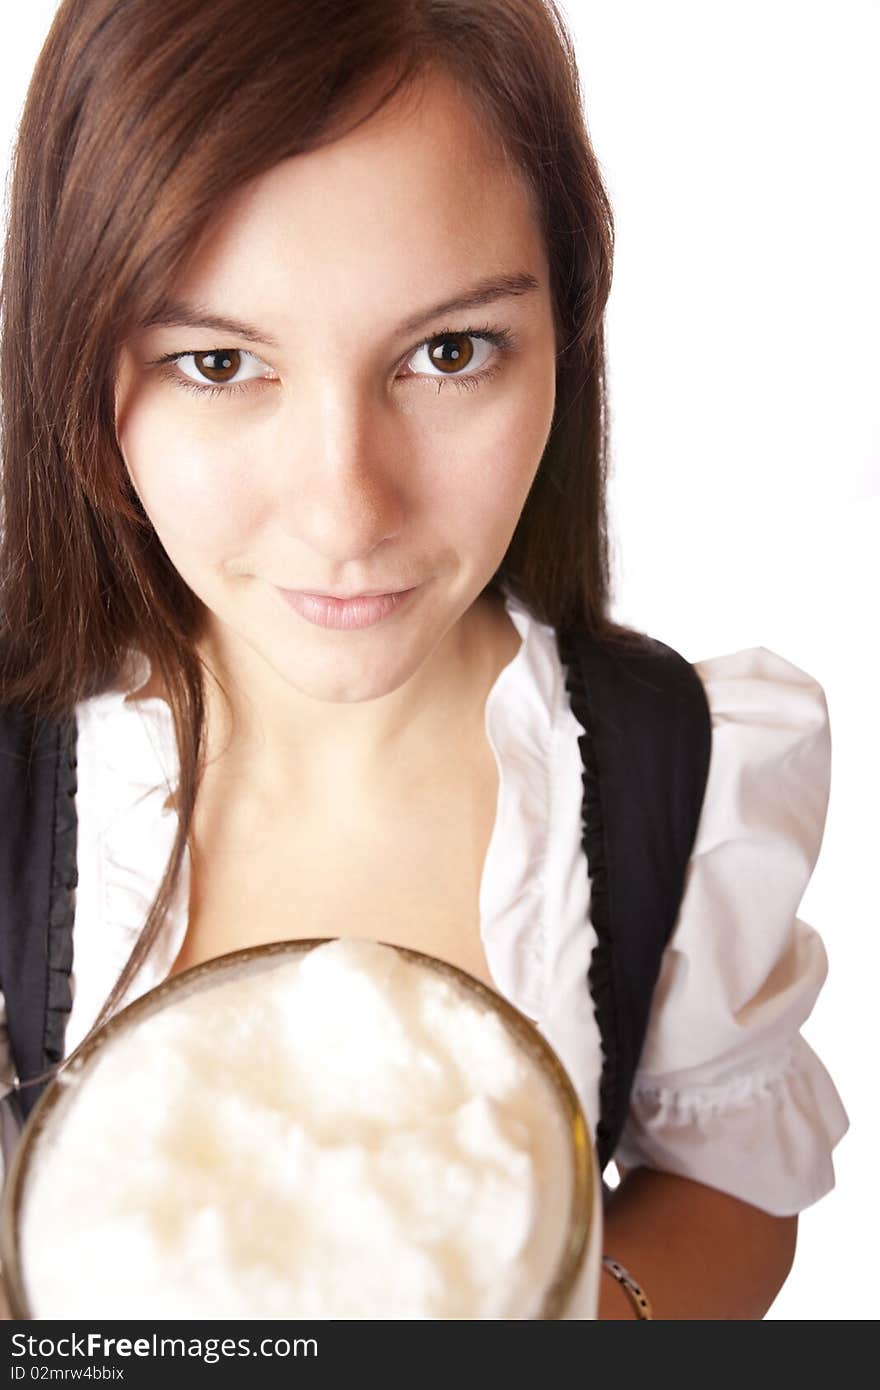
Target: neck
<point>283,745</point>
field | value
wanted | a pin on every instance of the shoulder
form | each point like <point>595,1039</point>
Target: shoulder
<point>637,658</point>
<point>643,695</point>
<point>771,751</point>
<point>33,738</point>
<point>763,707</point>
<point>757,679</point>
<point>37,787</point>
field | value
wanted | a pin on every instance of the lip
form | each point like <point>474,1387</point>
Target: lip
<point>346,598</point>
<point>347,614</point>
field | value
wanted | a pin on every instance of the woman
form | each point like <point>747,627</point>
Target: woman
<point>304,470</point>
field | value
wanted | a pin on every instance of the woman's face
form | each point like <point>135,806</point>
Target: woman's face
<point>308,423</point>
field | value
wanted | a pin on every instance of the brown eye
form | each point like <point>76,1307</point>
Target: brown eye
<point>221,371</point>
<point>451,352</point>
<point>219,365</point>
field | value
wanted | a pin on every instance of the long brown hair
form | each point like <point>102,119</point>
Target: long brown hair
<point>140,120</point>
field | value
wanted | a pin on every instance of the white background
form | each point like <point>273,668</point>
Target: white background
<point>739,144</point>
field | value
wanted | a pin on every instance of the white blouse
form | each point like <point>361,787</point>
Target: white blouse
<point>727,1091</point>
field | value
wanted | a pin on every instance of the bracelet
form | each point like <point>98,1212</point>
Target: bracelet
<point>636,1293</point>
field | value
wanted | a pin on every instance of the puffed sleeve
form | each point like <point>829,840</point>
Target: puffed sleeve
<point>727,1092</point>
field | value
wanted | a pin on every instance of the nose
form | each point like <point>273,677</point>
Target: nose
<point>343,495</point>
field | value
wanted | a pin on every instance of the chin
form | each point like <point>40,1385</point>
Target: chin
<point>334,667</point>
<point>340,692</point>
<point>347,680</point>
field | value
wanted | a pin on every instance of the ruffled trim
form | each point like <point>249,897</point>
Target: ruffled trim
<point>765,1136</point>
<point>63,881</point>
<point>600,976</point>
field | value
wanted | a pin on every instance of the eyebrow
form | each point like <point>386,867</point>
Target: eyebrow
<point>179,314</point>
<point>483,292</point>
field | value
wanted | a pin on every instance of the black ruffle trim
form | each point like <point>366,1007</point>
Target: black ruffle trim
<point>599,975</point>
<point>62,897</point>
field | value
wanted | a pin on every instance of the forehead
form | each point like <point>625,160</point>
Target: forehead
<point>421,195</point>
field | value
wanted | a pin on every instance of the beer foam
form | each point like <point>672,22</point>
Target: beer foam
<point>343,1134</point>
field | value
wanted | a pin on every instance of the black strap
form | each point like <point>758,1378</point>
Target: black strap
<point>37,882</point>
<point>645,765</point>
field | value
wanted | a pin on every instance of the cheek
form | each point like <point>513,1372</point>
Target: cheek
<point>193,490</point>
<point>479,479</point>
